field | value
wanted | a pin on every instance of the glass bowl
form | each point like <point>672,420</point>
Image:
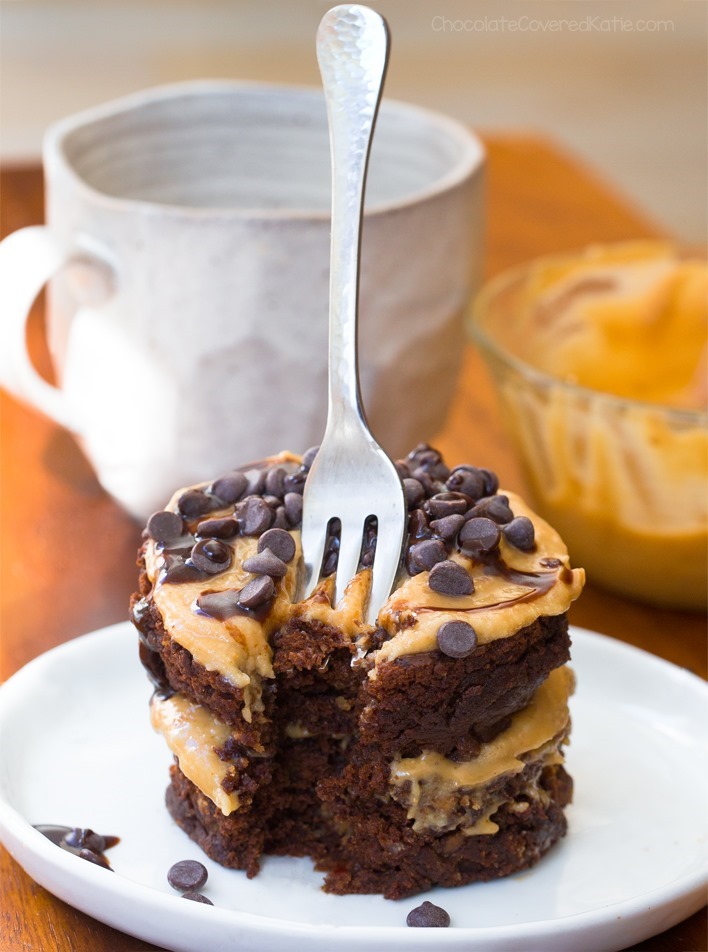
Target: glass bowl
<point>624,481</point>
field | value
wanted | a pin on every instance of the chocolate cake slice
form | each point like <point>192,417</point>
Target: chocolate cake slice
<point>424,751</point>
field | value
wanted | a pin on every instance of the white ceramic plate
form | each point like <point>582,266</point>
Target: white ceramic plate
<point>77,749</point>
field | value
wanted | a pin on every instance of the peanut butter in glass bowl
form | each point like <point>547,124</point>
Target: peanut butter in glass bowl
<point>600,363</point>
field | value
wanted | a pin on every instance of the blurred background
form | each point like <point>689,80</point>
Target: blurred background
<point>621,83</point>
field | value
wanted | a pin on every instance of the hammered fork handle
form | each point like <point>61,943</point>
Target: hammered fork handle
<point>352,51</point>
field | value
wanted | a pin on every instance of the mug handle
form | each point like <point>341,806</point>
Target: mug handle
<point>28,259</point>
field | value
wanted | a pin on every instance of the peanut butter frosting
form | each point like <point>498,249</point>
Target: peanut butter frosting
<point>509,594</point>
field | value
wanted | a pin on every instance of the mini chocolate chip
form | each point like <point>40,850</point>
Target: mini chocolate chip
<point>493,507</point>
<point>79,838</point>
<point>429,485</point>
<point>266,563</point>
<point>450,578</point>
<point>197,897</point>
<point>415,493</point>
<point>468,480</point>
<point>225,528</point>
<point>428,915</point>
<point>230,487</point>
<point>186,875</point>
<point>520,533</point>
<point>257,592</point>
<point>293,508</point>
<point>194,503</point>
<point>447,504</point>
<point>418,525</point>
<point>165,526</point>
<point>402,468</point>
<point>178,572</point>
<point>254,515</point>
<point>479,536</point>
<point>275,479</point>
<point>457,639</point>
<point>491,482</point>
<point>295,482</point>
<point>255,482</point>
<point>447,527</point>
<point>220,605</point>
<point>211,556</point>
<point>423,555</point>
<point>95,858</point>
<point>280,520</point>
<point>429,460</point>
<point>280,543</point>
<point>308,457</point>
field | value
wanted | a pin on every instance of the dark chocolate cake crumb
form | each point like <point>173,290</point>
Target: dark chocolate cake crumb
<point>428,915</point>
<point>187,875</point>
<point>457,639</point>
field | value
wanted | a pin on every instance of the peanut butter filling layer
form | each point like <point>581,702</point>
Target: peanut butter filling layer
<point>436,789</point>
<point>193,733</point>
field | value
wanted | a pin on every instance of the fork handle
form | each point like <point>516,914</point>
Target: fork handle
<point>352,51</point>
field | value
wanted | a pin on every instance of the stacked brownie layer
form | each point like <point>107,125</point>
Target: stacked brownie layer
<point>425,750</point>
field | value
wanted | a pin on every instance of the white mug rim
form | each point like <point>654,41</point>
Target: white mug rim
<point>470,161</point>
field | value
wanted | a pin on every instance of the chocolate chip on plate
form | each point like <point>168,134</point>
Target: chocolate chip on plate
<point>423,555</point>
<point>520,533</point>
<point>479,536</point>
<point>95,858</point>
<point>230,487</point>
<point>225,528</point>
<point>193,503</point>
<point>457,639</point>
<point>187,875</point>
<point>266,563</point>
<point>211,556</point>
<point>280,543</point>
<point>450,578</point>
<point>428,915</point>
<point>197,897</point>
<point>254,515</point>
<point>257,592</point>
<point>165,526</point>
<point>219,605</point>
<point>79,838</point>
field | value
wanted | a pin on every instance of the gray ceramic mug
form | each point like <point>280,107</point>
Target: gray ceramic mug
<point>187,240</point>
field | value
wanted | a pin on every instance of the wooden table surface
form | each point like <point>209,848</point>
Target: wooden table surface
<point>57,583</point>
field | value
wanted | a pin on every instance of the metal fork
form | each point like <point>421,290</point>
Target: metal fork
<point>351,479</point>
